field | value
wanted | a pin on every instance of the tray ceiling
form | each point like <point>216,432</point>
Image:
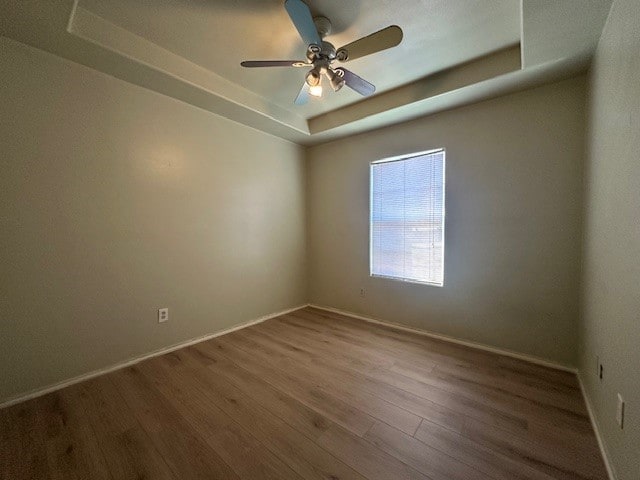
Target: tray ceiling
<point>454,52</point>
<point>218,35</point>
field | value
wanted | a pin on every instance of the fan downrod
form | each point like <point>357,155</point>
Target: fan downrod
<point>323,26</point>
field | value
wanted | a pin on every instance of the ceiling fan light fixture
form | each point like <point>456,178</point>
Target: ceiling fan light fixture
<point>313,78</point>
<point>316,90</point>
<point>335,79</point>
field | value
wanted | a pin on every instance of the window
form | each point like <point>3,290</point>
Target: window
<point>407,218</point>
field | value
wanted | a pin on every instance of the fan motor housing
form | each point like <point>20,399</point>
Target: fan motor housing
<point>328,50</point>
<point>325,52</point>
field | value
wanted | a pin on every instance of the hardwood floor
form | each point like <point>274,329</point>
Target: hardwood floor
<point>309,395</point>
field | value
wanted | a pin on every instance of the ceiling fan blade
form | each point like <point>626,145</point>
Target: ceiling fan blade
<point>376,42</point>
<point>355,82</point>
<point>275,63</point>
<point>303,21</point>
<point>303,95</point>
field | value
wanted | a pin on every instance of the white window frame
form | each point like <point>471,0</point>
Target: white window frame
<point>444,213</point>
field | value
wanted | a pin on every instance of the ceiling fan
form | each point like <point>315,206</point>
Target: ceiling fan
<point>322,54</point>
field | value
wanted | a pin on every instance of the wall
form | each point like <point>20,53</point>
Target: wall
<point>116,201</point>
<point>513,194</point>
<point>611,305</point>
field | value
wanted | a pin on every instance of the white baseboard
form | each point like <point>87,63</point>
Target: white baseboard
<point>57,386</point>
<point>102,371</point>
<point>594,423</point>
<point>480,346</point>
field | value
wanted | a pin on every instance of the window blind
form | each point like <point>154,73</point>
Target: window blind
<point>407,218</point>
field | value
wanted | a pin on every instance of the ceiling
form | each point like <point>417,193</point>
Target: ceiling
<point>453,52</point>
<point>219,35</point>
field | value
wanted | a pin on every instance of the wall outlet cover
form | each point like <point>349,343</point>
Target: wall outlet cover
<point>163,315</point>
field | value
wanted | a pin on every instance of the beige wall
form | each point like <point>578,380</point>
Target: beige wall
<point>513,194</point>
<point>611,305</point>
<point>115,201</point>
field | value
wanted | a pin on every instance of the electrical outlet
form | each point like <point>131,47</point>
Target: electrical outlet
<point>163,315</point>
<point>363,292</point>
<point>620,412</point>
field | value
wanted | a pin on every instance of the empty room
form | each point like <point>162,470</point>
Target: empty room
<point>317,239</point>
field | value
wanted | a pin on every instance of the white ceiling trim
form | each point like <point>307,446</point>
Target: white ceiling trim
<point>97,30</point>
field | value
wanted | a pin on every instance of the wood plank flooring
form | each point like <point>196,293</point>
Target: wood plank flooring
<point>309,395</point>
